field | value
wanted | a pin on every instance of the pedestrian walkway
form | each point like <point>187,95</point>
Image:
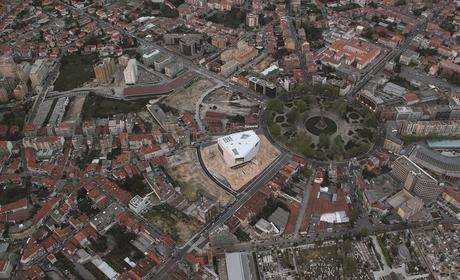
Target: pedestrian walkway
<point>197,109</point>
<point>303,206</point>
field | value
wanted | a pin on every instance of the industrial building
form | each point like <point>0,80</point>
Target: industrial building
<point>238,148</point>
<point>240,266</point>
<point>279,218</point>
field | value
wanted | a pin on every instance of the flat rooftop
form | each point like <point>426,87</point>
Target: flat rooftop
<point>444,144</point>
<point>240,266</point>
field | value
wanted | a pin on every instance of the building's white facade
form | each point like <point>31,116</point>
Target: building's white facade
<point>149,58</point>
<point>38,72</point>
<point>140,204</point>
<point>131,72</point>
<point>238,148</point>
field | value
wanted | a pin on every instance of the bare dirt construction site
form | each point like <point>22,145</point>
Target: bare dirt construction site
<point>187,172</point>
<point>186,99</point>
<point>76,105</point>
<point>173,222</point>
<point>240,176</point>
<point>229,103</point>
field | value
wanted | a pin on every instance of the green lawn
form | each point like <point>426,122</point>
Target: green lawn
<point>290,122</point>
<point>385,252</point>
<point>11,195</point>
<point>15,116</point>
<point>75,70</point>
<point>100,107</point>
<point>135,186</point>
<point>231,19</point>
<point>64,264</point>
<point>242,235</point>
<point>173,222</point>
<point>95,271</point>
<point>123,249</point>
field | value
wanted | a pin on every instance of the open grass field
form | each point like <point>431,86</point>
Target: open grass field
<point>173,222</point>
<point>100,107</point>
<point>320,124</point>
<point>9,195</point>
<point>123,249</point>
<point>75,70</point>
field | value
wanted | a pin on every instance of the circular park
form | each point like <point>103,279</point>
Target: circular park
<point>318,123</point>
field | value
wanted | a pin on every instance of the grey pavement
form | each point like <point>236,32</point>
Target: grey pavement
<point>303,206</point>
<point>411,74</point>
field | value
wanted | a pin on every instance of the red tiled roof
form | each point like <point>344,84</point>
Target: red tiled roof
<point>14,206</point>
<point>31,248</point>
<point>153,257</point>
<point>252,206</point>
<point>46,208</point>
<point>455,195</point>
<point>410,97</point>
<point>160,89</point>
<point>114,190</point>
<point>35,272</point>
<point>48,243</point>
<point>215,115</point>
<point>318,206</point>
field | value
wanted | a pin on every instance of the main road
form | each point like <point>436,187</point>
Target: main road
<point>285,242</point>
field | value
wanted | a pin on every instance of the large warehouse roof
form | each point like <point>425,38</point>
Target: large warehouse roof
<point>239,143</point>
<point>239,266</point>
<point>436,162</point>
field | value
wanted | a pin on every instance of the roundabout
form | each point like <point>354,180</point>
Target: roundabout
<point>319,124</point>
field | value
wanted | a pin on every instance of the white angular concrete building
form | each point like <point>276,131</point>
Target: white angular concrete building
<point>131,72</point>
<point>238,148</point>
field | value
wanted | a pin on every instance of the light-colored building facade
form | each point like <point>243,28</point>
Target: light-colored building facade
<point>238,148</point>
<point>252,20</point>
<point>105,70</point>
<point>38,72</point>
<point>140,204</point>
<point>415,179</point>
<point>131,72</point>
